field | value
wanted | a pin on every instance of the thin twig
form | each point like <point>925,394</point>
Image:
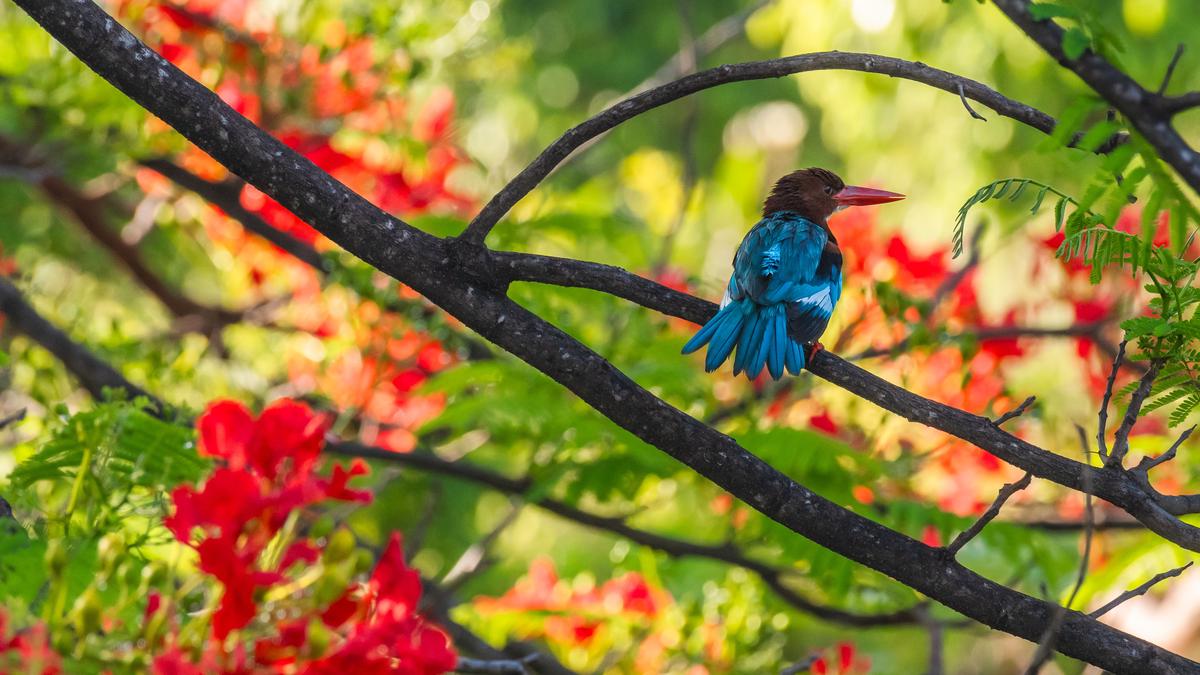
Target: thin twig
<point>963,97</point>
<point>415,537</point>
<point>496,666</point>
<point>1046,646</point>
<point>13,418</point>
<point>971,532</point>
<point>1148,463</point>
<point>1102,432</point>
<point>1121,441</point>
<point>1015,412</point>
<point>937,632</point>
<point>1140,590</point>
<point>474,559</point>
<point>1162,88</point>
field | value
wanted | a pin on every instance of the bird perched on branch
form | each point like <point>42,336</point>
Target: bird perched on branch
<point>787,278</point>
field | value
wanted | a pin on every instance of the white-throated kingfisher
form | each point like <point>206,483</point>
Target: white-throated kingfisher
<point>787,277</point>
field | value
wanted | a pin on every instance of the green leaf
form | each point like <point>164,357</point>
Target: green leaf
<point>1060,212</point>
<point>129,446</point>
<point>1180,414</point>
<point>1075,42</point>
<point>1050,10</point>
<point>1037,202</point>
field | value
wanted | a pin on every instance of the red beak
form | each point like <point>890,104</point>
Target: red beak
<point>852,195</point>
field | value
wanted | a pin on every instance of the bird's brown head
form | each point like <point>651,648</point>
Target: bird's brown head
<point>816,194</point>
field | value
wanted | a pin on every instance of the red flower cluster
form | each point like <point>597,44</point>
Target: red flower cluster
<point>222,44</point>
<point>27,651</point>
<point>380,630</point>
<point>541,591</point>
<point>241,509</point>
<point>848,662</point>
<point>244,504</point>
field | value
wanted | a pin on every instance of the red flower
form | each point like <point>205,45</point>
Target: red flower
<point>434,118</point>
<point>27,651</point>
<point>286,432</point>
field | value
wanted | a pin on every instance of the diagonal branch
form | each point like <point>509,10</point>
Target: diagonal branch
<point>93,373</point>
<point>1148,463</point>
<point>226,196</point>
<point>88,213</point>
<point>1121,441</point>
<point>97,375</point>
<point>460,281</point>
<point>1148,112</point>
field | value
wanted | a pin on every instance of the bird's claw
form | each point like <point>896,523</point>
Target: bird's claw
<point>813,348</point>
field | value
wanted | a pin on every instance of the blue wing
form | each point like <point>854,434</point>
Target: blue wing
<point>779,261</point>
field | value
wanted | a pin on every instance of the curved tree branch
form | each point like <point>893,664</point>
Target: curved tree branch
<point>637,104</point>
<point>462,283</point>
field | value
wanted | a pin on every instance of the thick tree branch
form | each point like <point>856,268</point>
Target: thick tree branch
<point>97,375</point>
<point>1145,110</point>
<point>463,284</point>
<point>637,104</point>
<point>1153,509</point>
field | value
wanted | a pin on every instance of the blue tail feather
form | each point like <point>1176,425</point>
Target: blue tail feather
<point>759,333</point>
<point>749,343</point>
<point>724,340</point>
<point>779,345</point>
<point>795,358</point>
<point>706,333</point>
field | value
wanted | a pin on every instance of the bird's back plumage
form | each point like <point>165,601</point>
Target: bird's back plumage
<point>786,280</point>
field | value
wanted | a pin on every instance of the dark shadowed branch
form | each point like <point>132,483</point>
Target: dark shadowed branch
<point>226,196</point>
<point>96,375</point>
<point>1158,512</point>
<point>89,213</point>
<point>1149,113</point>
<point>637,104</point>
<point>93,373</point>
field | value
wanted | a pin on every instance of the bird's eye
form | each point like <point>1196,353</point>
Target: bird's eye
<point>828,189</point>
